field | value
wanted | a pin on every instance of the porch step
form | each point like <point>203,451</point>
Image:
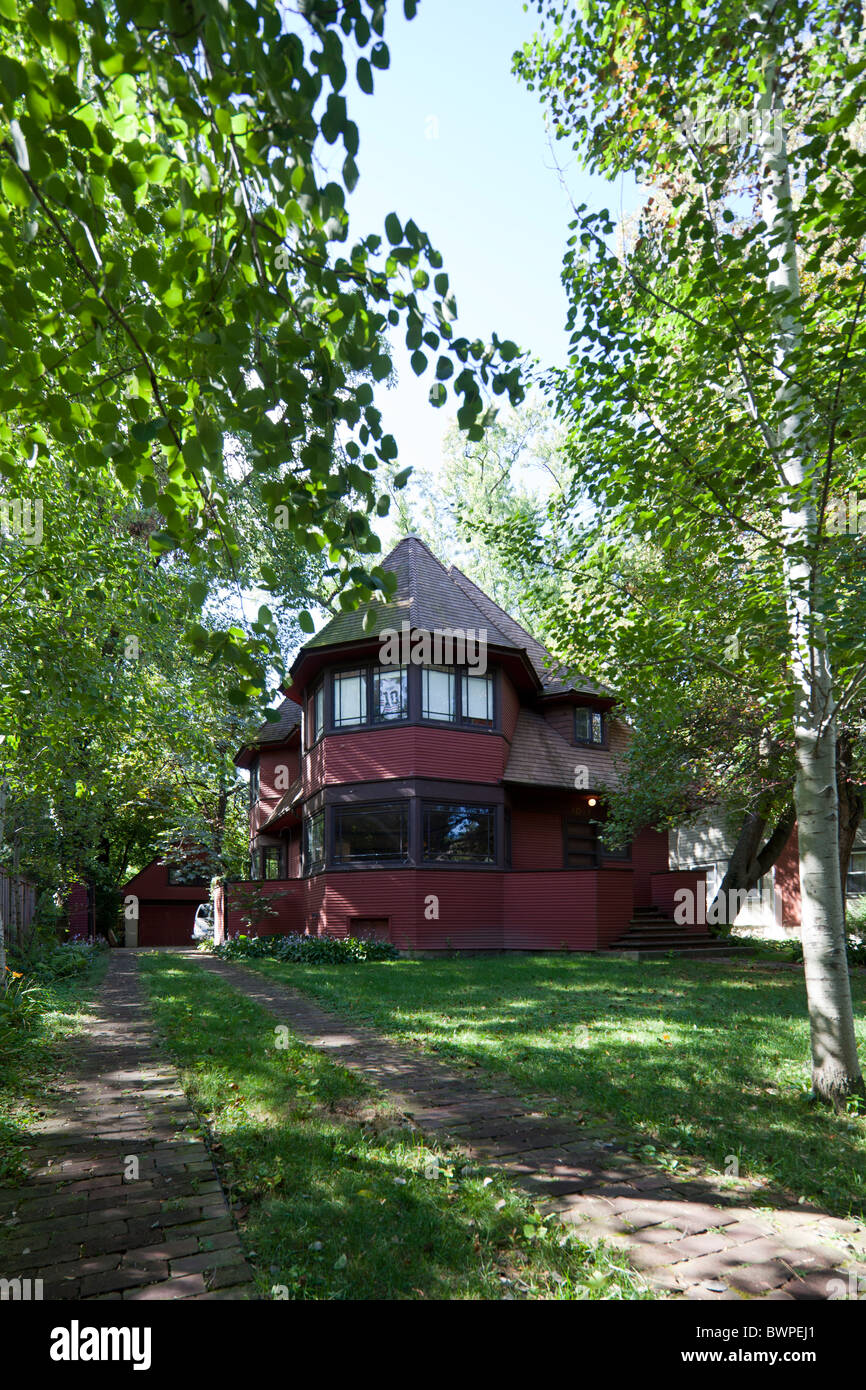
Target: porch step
<point>651,933</point>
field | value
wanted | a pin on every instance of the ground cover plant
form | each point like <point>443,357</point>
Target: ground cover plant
<point>678,1057</point>
<point>43,1003</point>
<point>337,1198</point>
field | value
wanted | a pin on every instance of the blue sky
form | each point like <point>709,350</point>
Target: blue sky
<point>450,138</point>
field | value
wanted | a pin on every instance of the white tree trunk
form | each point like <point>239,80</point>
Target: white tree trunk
<point>835,1067</point>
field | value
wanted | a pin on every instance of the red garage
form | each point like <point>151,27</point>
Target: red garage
<point>161,908</point>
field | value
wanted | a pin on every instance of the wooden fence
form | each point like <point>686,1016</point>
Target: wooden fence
<point>17,906</point>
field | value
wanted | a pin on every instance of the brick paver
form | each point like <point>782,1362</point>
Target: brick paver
<point>123,1200</point>
<point>686,1236</point>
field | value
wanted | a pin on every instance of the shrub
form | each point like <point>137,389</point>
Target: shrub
<point>60,962</point>
<point>306,950</point>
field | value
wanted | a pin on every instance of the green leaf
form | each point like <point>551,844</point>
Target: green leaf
<point>365,75</point>
<point>393,229</point>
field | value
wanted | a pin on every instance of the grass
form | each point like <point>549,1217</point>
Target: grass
<point>31,1058</point>
<point>336,1197</point>
<point>683,1060</point>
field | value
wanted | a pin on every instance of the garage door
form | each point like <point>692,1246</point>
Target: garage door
<point>166,924</point>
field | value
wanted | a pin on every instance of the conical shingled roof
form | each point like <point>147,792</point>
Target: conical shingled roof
<point>427,597</point>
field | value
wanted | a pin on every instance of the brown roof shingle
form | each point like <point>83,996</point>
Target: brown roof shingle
<point>541,757</point>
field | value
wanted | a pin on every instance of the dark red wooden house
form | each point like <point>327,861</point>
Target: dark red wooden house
<point>441,805</point>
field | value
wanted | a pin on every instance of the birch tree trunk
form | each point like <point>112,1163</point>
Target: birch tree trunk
<point>835,1066</point>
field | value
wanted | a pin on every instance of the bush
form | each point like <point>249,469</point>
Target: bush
<point>306,950</point>
<point>60,962</point>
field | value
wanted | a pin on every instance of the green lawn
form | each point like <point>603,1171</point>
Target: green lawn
<point>676,1057</point>
<point>31,1057</point>
<point>335,1197</point>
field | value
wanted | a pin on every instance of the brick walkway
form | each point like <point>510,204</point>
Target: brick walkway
<point>687,1237</point>
<point>84,1223</point>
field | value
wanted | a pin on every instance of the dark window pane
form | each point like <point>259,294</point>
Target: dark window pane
<point>390,694</point>
<point>272,862</point>
<point>588,726</point>
<point>438,694</point>
<point>581,844</point>
<point>371,833</point>
<point>460,834</point>
<point>186,876</point>
<point>856,883</point>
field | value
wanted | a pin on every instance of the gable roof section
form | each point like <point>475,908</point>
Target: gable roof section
<point>541,757</point>
<point>271,732</point>
<point>428,597</point>
<point>554,677</point>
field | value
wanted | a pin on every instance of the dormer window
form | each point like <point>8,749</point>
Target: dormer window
<point>588,725</point>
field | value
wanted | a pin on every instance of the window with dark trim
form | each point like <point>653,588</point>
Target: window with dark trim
<point>272,862</point>
<point>581,844</point>
<point>314,842</point>
<point>458,834</point>
<point>856,880</point>
<point>254,783</point>
<point>316,715</point>
<point>476,699</point>
<point>507,838</point>
<point>350,698</point>
<point>390,693</point>
<point>588,725</point>
<point>371,834</point>
<point>439,694</point>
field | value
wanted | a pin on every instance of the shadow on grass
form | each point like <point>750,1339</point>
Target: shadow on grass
<point>338,1204</point>
<point>679,1057</point>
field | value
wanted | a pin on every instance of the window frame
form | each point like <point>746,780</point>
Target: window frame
<point>341,808</point>
<point>593,713</point>
<point>267,852</point>
<point>315,866</point>
<point>593,839</point>
<point>346,672</point>
<point>490,808</point>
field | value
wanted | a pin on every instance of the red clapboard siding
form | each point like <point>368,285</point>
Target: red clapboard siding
<point>510,706</point>
<point>278,769</point>
<point>649,855</point>
<point>377,755</point>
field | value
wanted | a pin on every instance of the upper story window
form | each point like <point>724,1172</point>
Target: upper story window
<point>477,699</point>
<point>371,833</point>
<point>588,725</point>
<point>316,715</point>
<point>254,783</point>
<point>459,834</point>
<point>438,694</point>
<point>350,698</point>
<point>390,693</point>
